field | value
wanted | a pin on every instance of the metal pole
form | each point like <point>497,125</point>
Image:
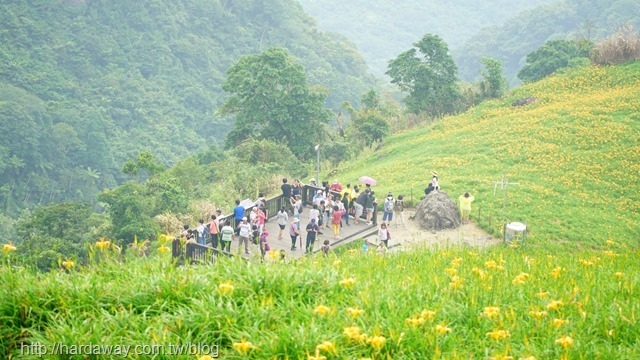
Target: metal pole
<point>318,165</point>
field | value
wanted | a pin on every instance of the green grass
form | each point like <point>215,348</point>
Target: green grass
<point>574,153</point>
<point>575,156</point>
<point>274,306</point>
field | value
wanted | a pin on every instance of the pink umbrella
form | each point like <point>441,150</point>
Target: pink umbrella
<point>367,180</point>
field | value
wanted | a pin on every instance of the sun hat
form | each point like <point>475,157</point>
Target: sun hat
<point>244,218</point>
<point>319,191</point>
<point>296,219</point>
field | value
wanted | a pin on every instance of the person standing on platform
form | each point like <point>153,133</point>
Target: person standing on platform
<point>312,233</point>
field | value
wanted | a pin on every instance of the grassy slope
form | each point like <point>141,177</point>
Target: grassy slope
<point>575,154</point>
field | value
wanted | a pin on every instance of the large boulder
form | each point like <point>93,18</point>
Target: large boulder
<point>437,211</point>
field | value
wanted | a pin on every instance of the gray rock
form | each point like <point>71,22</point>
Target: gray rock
<point>438,211</point>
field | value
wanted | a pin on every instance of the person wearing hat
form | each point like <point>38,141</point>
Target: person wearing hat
<point>312,233</point>
<point>319,196</point>
<point>312,182</point>
<point>244,234</point>
<point>336,186</point>
<point>389,204</point>
<point>434,181</point>
<point>294,232</point>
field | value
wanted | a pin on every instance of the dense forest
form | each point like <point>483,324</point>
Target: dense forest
<point>381,28</point>
<point>569,19</point>
<point>86,85</point>
<point>504,30</point>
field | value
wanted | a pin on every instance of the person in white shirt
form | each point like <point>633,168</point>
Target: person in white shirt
<point>244,235</point>
<point>282,218</point>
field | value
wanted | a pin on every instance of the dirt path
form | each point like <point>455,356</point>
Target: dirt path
<point>411,235</point>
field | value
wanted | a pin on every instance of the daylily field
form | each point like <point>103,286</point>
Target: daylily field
<point>575,154</point>
<point>458,303</point>
<point>570,292</point>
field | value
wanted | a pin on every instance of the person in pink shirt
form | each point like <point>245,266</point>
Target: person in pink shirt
<point>336,217</point>
<point>257,218</point>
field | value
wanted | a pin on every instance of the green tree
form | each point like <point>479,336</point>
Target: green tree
<point>131,212</point>
<point>57,231</point>
<point>551,56</point>
<point>493,84</point>
<point>371,100</point>
<point>428,73</point>
<point>270,100</point>
<point>370,126</point>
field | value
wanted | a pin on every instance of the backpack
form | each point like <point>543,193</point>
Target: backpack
<point>300,209</point>
<point>388,205</point>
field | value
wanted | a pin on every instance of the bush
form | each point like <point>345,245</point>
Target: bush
<point>619,48</point>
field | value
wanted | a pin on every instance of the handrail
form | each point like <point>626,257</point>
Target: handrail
<point>200,253</point>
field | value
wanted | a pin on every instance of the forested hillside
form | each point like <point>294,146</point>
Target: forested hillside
<point>569,19</point>
<point>87,84</point>
<point>505,30</point>
<point>382,28</point>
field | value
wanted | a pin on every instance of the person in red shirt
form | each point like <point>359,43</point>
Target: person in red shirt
<point>336,186</point>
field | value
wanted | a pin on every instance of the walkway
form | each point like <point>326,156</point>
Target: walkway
<point>347,234</point>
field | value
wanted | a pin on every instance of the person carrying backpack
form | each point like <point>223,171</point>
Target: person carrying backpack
<point>389,204</point>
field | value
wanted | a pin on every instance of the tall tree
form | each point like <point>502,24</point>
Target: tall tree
<point>493,84</point>
<point>271,100</point>
<point>427,72</point>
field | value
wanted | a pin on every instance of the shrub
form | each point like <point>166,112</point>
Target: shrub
<point>619,48</point>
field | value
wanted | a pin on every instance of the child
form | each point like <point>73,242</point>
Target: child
<point>365,247</point>
<point>264,245</point>
<point>326,248</point>
<point>383,235</point>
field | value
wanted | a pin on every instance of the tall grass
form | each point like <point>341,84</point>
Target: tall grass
<point>456,303</point>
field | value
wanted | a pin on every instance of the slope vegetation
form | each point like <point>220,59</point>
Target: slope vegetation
<point>574,154</point>
<point>87,85</point>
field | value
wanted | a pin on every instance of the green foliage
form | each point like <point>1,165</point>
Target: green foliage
<point>131,212</point>
<point>370,127</point>
<point>493,84</point>
<point>531,29</point>
<point>91,84</point>
<point>272,156</point>
<point>421,304</point>
<point>371,100</point>
<point>380,28</point>
<point>428,74</point>
<point>55,232</point>
<point>573,152</point>
<point>270,100</point>
<point>553,55</point>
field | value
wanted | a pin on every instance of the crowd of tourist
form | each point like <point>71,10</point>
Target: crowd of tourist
<point>332,207</point>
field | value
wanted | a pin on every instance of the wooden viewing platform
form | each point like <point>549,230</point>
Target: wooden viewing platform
<point>205,253</point>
